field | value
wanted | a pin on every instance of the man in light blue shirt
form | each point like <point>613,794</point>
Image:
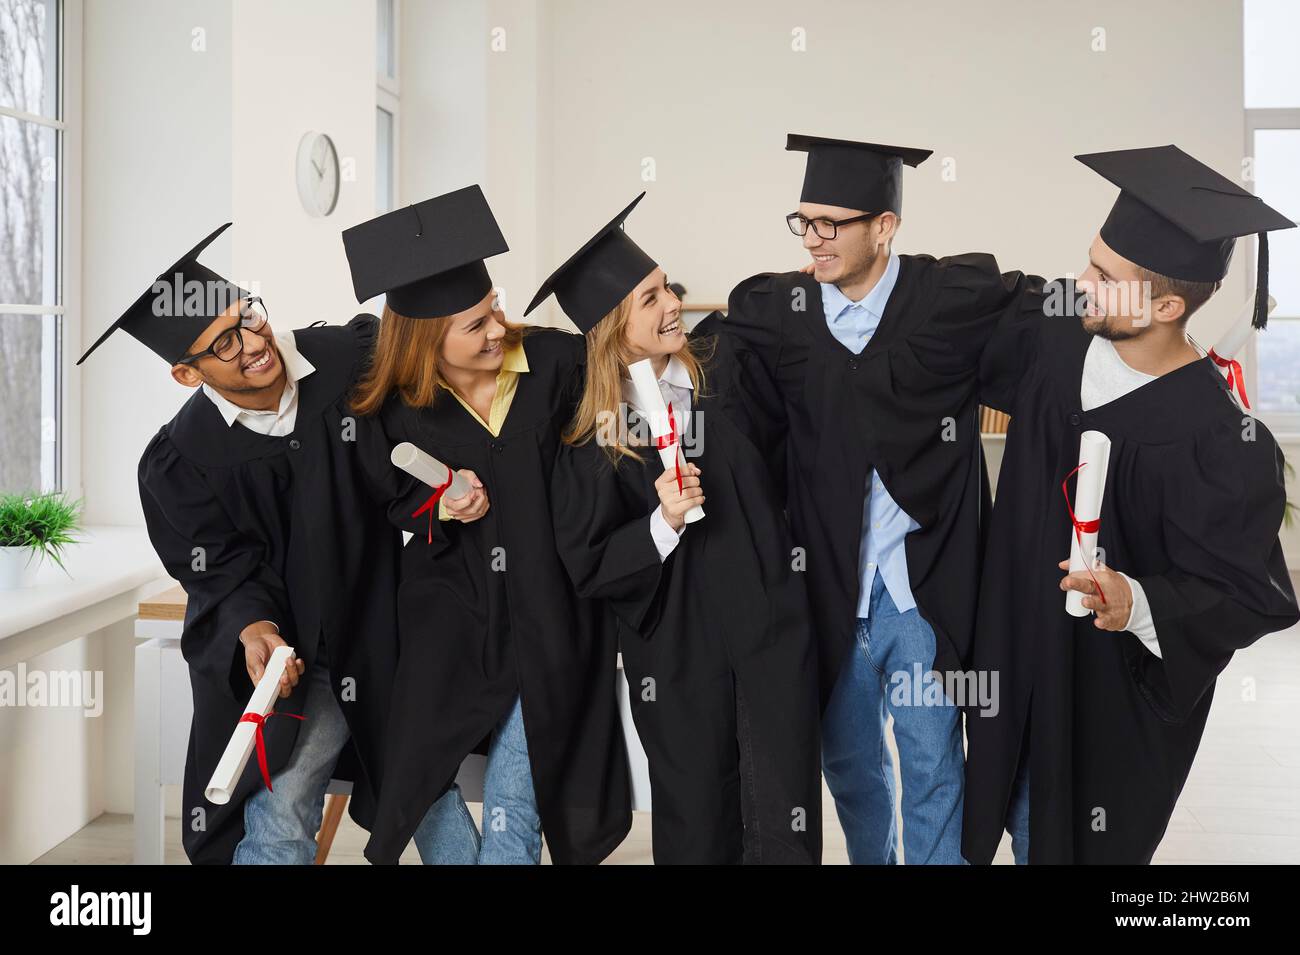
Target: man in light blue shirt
<point>884,523</point>
<point>886,675</point>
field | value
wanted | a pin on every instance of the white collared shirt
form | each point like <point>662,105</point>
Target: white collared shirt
<point>675,386</point>
<point>281,421</point>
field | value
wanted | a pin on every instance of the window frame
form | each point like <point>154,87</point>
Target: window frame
<point>388,97</point>
<point>1280,423</point>
<point>66,309</point>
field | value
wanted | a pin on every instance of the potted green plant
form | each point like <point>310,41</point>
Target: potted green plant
<point>34,527</point>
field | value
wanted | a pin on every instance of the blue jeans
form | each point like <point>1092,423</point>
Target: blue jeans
<point>280,826</point>
<point>1018,812</point>
<point>878,680</point>
<point>512,829</point>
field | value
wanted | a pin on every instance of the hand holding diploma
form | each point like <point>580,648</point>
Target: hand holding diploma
<point>1114,613</point>
<point>474,504</point>
<point>462,492</point>
<point>664,426</point>
<point>1085,514</point>
<point>676,504</point>
<point>247,734</point>
<point>260,641</point>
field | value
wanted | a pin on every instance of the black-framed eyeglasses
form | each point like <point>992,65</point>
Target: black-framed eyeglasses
<point>823,228</point>
<point>230,343</point>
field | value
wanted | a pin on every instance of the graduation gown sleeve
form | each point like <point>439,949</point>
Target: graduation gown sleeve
<point>607,549</point>
<point>1226,584</point>
<point>400,494</point>
<point>225,575</point>
<point>971,301</point>
<point>1015,339</point>
<point>748,351</point>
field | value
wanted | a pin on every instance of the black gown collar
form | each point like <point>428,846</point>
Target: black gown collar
<point>1170,408</point>
<point>886,331</point>
<point>202,435</point>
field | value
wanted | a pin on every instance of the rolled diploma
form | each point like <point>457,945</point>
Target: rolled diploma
<point>427,468</point>
<point>651,401</point>
<point>1235,338</point>
<point>1094,455</point>
<point>235,758</point>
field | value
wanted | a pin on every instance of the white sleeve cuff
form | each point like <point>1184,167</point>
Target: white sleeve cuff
<point>1140,623</point>
<point>665,537</point>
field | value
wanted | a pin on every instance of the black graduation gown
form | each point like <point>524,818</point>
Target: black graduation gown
<point>486,615</point>
<point>286,536</point>
<point>722,622</point>
<point>905,405</point>
<point>1191,511</point>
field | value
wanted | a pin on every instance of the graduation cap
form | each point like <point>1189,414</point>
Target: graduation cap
<point>599,275</point>
<point>1178,217</point>
<point>866,176</point>
<point>428,257</point>
<point>178,307</point>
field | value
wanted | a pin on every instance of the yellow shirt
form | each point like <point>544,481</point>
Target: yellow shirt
<point>513,363</point>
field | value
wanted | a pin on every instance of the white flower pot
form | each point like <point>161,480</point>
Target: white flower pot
<point>18,567</point>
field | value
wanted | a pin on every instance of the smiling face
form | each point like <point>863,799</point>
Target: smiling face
<point>1116,302</point>
<point>654,324</point>
<point>473,341</point>
<point>847,258</point>
<point>255,372</point>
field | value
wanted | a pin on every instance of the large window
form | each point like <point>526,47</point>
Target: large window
<point>1272,85</point>
<point>31,241</point>
<point>387,105</point>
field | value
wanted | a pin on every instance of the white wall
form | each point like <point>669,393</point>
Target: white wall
<point>300,65</point>
<point>1007,92</point>
<point>157,178</point>
<point>477,108</point>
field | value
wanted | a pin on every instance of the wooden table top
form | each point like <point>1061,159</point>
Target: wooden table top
<point>168,605</point>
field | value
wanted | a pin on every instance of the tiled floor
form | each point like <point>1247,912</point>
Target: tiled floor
<point>1241,803</point>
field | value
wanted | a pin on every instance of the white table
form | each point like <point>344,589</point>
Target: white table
<point>109,572</point>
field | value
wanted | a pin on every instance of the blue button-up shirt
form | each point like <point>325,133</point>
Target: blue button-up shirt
<point>885,525</point>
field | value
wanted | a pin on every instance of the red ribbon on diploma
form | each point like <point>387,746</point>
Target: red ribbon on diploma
<point>1236,377</point>
<point>258,720</point>
<point>432,502</point>
<point>1081,528</point>
<point>668,440</point>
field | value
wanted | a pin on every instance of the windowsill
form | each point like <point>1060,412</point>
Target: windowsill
<point>107,563</point>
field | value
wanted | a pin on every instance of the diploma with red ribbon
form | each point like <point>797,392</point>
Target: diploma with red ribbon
<point>663,423</point>
<point>248,732</point>
<point>425,467</point>
<point>1085,512</point>
<point>1226,349</point>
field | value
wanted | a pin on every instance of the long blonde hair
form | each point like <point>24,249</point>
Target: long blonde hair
<point>406,358</point>
<point>607,359</point>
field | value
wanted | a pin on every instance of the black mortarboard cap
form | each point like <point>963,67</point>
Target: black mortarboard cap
<point>178,307</point>
<point>599,275</point>
<point>865,176</point>
<point>1179,218</point>
<point>427,257</point>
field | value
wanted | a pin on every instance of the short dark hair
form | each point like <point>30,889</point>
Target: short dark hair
<point>1193,294</point>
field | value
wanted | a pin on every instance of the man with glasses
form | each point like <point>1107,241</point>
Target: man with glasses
<point>859,381</point>
<point>254,500</point>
